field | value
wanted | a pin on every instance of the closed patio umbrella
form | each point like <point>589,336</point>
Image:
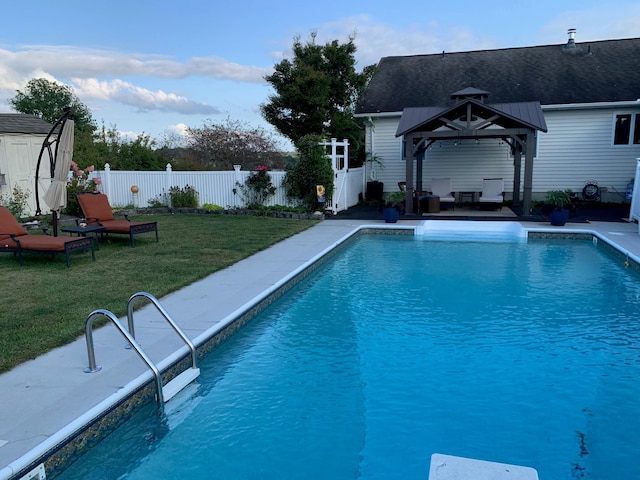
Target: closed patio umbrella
<point>56,195</point>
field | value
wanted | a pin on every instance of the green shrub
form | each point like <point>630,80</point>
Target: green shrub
<point>159,201</point>
<point>210,207</point>
<point>313,168</point>
<point>559,198</point>
<point>257,188</point>
<point>186,197</point>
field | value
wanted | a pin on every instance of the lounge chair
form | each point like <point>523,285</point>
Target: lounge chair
<point>15,239</point>
<point>492,195</point>
<point>97,211</point>
<point>442,188</point>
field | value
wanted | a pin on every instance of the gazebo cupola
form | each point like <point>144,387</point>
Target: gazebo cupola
<point>469,92</point>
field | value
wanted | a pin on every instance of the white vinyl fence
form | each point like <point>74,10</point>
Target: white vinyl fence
<point>221,188</point>
<point>213,187</point>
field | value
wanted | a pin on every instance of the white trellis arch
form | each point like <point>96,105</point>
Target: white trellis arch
<point>348,182</point>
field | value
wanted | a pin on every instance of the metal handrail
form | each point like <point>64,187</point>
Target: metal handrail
<point>166,316</point>
<point>132,341</point>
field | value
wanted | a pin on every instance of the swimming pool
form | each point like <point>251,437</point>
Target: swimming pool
<point>399,348</point>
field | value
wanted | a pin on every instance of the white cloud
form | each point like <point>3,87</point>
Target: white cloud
<point>602,22</point>
<point>67,61</point>
<point>179,129</point>
<point>376,39</point>
<point>83,69</point>
<point>141,98</point>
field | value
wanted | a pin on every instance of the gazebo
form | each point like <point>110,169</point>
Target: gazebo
<point>471,118</point>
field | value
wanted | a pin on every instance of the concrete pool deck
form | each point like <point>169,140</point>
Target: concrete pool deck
<point>43,400</point>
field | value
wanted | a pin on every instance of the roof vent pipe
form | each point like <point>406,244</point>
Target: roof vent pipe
<point>570,46</point>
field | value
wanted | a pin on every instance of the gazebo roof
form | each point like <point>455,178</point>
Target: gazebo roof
<point>506,115</point>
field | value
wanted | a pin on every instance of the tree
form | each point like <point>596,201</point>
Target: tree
<point>48,99</point>
<point>232,142</point>
<point>317,91</point>
<point>124,154</point>
<point>313,168</point>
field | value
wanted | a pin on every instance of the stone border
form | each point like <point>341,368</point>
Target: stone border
<point>235,211</point>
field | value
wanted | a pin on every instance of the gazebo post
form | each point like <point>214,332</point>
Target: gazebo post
<point>410,151</point>
<point>528,174</point>
<point>516,148</point>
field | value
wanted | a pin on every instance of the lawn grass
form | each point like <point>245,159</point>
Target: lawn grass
<point>44,304</point>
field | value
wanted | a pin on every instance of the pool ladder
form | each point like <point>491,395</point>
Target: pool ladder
<point>166,392</point>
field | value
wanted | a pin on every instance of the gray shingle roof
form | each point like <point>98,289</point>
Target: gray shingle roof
<point>603,71</point>
<point>21,123</point>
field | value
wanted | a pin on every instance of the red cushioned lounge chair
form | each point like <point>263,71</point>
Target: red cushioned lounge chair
<point>97,211</point>
<point>14,238</point>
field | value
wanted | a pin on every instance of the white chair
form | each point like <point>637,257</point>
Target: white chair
<point>442,188</point>
<point>492,194</point>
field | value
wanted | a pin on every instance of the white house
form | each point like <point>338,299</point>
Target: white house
<point>589,95</point>
<point>21,139</point>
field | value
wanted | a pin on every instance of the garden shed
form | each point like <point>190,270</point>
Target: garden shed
<point>21,139</point>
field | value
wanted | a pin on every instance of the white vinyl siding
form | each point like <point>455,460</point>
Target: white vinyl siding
<point>388,149</point>
<point>578,148</point>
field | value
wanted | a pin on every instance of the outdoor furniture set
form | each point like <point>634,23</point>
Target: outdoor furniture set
<point>99,219</point>
<point>441,195</point>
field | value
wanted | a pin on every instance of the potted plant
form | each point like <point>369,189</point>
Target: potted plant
<point>394,204</point>
<point>374,187</point>
<point>560,201</point>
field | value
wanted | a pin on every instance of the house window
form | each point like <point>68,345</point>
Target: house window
<point>627,129</point>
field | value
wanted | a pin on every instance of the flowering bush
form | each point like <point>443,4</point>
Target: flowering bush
<point>80,182</point>
<point>257,187</point>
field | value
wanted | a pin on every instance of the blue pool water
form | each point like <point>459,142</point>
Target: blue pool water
<point>399,348</point>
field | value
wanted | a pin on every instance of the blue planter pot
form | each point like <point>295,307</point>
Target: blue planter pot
<point>390,215</point>
<point>558,217</point>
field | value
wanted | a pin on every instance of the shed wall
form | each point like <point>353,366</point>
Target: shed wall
<point>18,160</point>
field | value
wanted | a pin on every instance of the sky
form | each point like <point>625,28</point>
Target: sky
<point>156,67</point>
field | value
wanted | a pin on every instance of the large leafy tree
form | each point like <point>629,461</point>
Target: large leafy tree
<point>220,145</point>
<point>48,99</point>
<point>315,93</point>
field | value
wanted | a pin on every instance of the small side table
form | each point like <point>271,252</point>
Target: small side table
<point>469,196</point>
<point>83,231</point>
